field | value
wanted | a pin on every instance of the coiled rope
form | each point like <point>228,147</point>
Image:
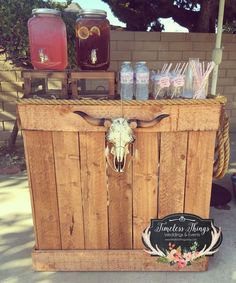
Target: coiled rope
<point>222,149</point>
<point>42,101</point>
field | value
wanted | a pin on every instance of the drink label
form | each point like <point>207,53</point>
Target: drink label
<point>142,78</point>
<point>163,81</point>
<point>178,81</point>
<point>126,78</point>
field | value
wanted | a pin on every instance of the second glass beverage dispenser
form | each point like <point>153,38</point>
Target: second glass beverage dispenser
<point>93,40</point>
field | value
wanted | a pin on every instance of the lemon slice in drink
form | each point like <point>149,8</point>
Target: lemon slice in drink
<point>83,32</point>
<point>95,31</point>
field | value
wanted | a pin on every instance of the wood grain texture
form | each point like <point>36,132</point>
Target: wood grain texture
<point>94,190</point>
<point>74,89</point>
<point>199,174</point>
<point>62,118</point>
<point>64,88</point>
<point>145,177</point>
<point>67,167</point>
<point>27,87</point>
<point>44,74</point>
<point>94,260</point>
<point>120,208</point>
<point>42,173</point>
<point>173,152</point>
<point>30,181</point>
<point>92,75</point>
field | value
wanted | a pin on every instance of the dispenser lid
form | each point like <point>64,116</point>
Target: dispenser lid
<point>46,11</point>
<point>92,13</point>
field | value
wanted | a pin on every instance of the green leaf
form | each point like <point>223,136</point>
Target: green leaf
<point>162,259</point>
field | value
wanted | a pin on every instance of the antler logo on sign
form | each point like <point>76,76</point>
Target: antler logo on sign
<point>181,239</point>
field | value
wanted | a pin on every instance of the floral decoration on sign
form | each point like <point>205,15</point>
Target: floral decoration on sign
<point>182,255</point>
<point>175,255</point>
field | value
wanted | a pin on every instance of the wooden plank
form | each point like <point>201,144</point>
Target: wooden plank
<point>43,185</point>
<point>61,117</point>
<point>64,86</point>
<point>67,166</point>
<point>44,74</point>
<point>74,88</point>
<point>120,208</point>
<point>145,178</point>
<point>93,75</point>
<point>111,86</point>
<point>27,87</point>
<point>106,260</point>
<point>199,173</point>
<point>94,190</point>
<point>46,85</point>
<point>173,152</point>
<point>30,187</point>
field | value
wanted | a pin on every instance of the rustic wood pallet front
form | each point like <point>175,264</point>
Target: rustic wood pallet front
<point>86,216</point>
<point>101,260</point>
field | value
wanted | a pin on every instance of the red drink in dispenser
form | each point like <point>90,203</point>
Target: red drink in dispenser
<point>93,40</point>
<point>47,38</point>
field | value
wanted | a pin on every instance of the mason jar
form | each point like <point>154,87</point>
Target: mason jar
<point>93,40</point>
<point>47,40</point>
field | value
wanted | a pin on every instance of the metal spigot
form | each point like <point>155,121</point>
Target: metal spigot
<point>93,56</point>
<point>42,56</point>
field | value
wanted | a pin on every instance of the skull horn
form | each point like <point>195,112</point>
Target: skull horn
<point>151,123</point>
<point>91,120</point>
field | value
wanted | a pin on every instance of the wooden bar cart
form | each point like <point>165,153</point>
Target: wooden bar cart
<point>88,217</point>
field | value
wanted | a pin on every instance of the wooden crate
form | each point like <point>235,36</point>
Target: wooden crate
<point>30,77</point>
<point>95,76</point>
<point>87,217</point>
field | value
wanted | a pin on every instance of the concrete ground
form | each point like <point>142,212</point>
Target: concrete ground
<point>17,240</point>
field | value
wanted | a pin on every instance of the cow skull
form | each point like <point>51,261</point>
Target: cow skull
<point>120,135</point>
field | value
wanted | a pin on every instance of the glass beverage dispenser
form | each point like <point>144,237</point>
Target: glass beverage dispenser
<point>47,39</point>
<point>93,40</point>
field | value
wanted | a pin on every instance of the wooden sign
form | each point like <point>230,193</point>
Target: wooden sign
<point>181,238</point>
